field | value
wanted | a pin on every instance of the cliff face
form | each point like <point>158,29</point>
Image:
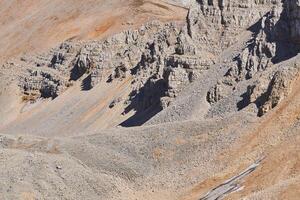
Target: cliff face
<point>161,60</point>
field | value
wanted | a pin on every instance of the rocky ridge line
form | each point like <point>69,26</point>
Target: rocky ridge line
<point>162,59</point>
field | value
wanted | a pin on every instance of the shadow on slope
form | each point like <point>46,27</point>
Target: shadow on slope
<point>146,102</point>
<point>87,83</point>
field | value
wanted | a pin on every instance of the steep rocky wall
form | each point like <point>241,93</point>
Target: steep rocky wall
<point>216,25</point>
<point>273,40</point>
<point>162,59</point>
<point>155,53</point>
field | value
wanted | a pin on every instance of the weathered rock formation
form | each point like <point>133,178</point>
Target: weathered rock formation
<point>162,59</point>
<point>270,44</point>
<point>278,89</point>
<point>157,57</point>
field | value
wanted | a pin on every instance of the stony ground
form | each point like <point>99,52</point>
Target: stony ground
<point>149,100</point>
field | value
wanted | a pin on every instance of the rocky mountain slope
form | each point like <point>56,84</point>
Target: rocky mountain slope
<point>157,106</point>
<point>40,25</point>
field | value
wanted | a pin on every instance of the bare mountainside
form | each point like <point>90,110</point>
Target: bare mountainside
<point>39,25</point>
<point>182,100</point>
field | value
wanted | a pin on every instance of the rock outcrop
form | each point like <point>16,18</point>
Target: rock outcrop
<point>273,40</point>
<point>278,89</point>
<point>162,59</point>
<point>157,57</point>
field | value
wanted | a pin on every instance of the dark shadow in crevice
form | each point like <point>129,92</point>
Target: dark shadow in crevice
<point>77,72</point>
<point>87,83</point>
<point>259,102</point>
<point>140,118</point>
<point>48,92</point>
<point>285,51</point>
<point>145,102</point>
<point>255,28</point>
<point>244,102</point>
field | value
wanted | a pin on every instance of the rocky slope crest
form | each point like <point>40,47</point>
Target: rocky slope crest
<point>162,59</point>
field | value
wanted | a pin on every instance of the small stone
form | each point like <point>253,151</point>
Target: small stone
<point>58,167</point>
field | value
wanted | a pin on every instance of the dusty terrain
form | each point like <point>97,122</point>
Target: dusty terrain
<point>33,25</point>
<point>157,100</point>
